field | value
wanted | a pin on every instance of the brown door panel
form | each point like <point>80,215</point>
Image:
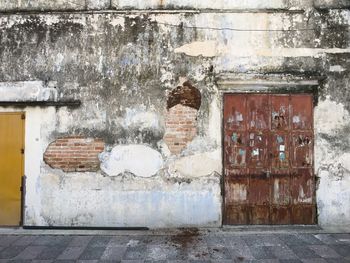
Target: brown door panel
<point>268,159</point>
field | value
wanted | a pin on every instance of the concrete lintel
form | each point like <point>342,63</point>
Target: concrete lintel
<point>265,81</point>
<point>93,10</point>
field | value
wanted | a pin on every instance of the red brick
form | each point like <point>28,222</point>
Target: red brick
<point>74,154</point>
<point>181,127</point>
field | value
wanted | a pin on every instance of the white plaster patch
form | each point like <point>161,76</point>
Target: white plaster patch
<point>118,21</point>
<point>200,144</point>
<point>330,116</point>
<point>139,160</point>
<point>333,198</point>
<point>199,48</point>
<point>197,165</point>
<point>336,68</point>
<point>27,91</point>
<point>140,118</point>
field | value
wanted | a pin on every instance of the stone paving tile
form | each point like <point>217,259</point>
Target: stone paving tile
<point>11,252</point>
<point>241,253</point>
<point>141,239</point>
<point>51,252</point>
<point>132,261</point>
<point>342,237</point>
<point>198,253</point>
<point>30,252</point>
<point>304,252</point>
<point>176,253</point>
<point>219,253</point>
<point>25,241</point>
<point>20,261</point>
<point>294,260</point>
<point>80,241</point>
<point>283,252</point>
<point>114,253</point>
<point>99,241</point>
<point>52,241</point>
<point>262,240</point>
<point>265,261</point>
<point>314,260</point>
<point>5,241</point>
<point>324,251</point>
<point>118,241</point>
<point>225,248</point>
<point>262,253</point>
<point>327,239</point>
<point>159,240</point>
<point>310,239</point>
<point>41,261</point>
<point>135,253</point>
<point>29,260</point>
<point>337,260</point>
<point>71,253</point>
<point>214,241</point>
<point>92,253</point>
<point>291,240</point>
<point>343,250</point>
<point>162,252</point>
<point>233,241</point>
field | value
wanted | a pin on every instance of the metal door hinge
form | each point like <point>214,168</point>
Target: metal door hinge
<point>23,116</point>
<point>22,151</point>
<point>21,188</point>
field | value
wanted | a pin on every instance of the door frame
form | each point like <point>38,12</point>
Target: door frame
<point>22,186</point>
<point>229,83</point>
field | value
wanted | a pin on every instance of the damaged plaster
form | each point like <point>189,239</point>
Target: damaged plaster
<point>139,160</point>
<point>123,67</point>
<point>332,162</point>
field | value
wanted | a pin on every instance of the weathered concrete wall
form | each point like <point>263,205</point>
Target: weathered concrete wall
<point>123,68</point>
<point>60,5</point>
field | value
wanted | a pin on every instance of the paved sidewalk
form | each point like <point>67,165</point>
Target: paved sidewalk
<point>188,245</point>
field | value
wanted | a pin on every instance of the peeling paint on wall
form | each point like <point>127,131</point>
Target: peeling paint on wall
<point>123,65</point>
<point>205,49</point>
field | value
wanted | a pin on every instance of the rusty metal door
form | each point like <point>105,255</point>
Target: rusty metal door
<point>11,167</point>
<point>268,159</point>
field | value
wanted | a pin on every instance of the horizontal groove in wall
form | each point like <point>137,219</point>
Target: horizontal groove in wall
<point>147,11</point>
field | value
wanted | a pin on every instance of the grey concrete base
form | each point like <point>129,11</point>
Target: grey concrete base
<point>225,230</point>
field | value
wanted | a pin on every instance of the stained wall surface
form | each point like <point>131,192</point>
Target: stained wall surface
<point>124,68</point>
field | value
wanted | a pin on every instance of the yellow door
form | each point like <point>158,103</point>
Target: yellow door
<point>11,167</point>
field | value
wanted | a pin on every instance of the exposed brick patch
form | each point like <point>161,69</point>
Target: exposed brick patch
<point>74,154</point>
<point>181,127</point>
<point>187,95</point>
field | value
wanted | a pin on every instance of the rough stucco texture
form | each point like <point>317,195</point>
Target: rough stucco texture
<point>123,66</point>
<point>138,4</point>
